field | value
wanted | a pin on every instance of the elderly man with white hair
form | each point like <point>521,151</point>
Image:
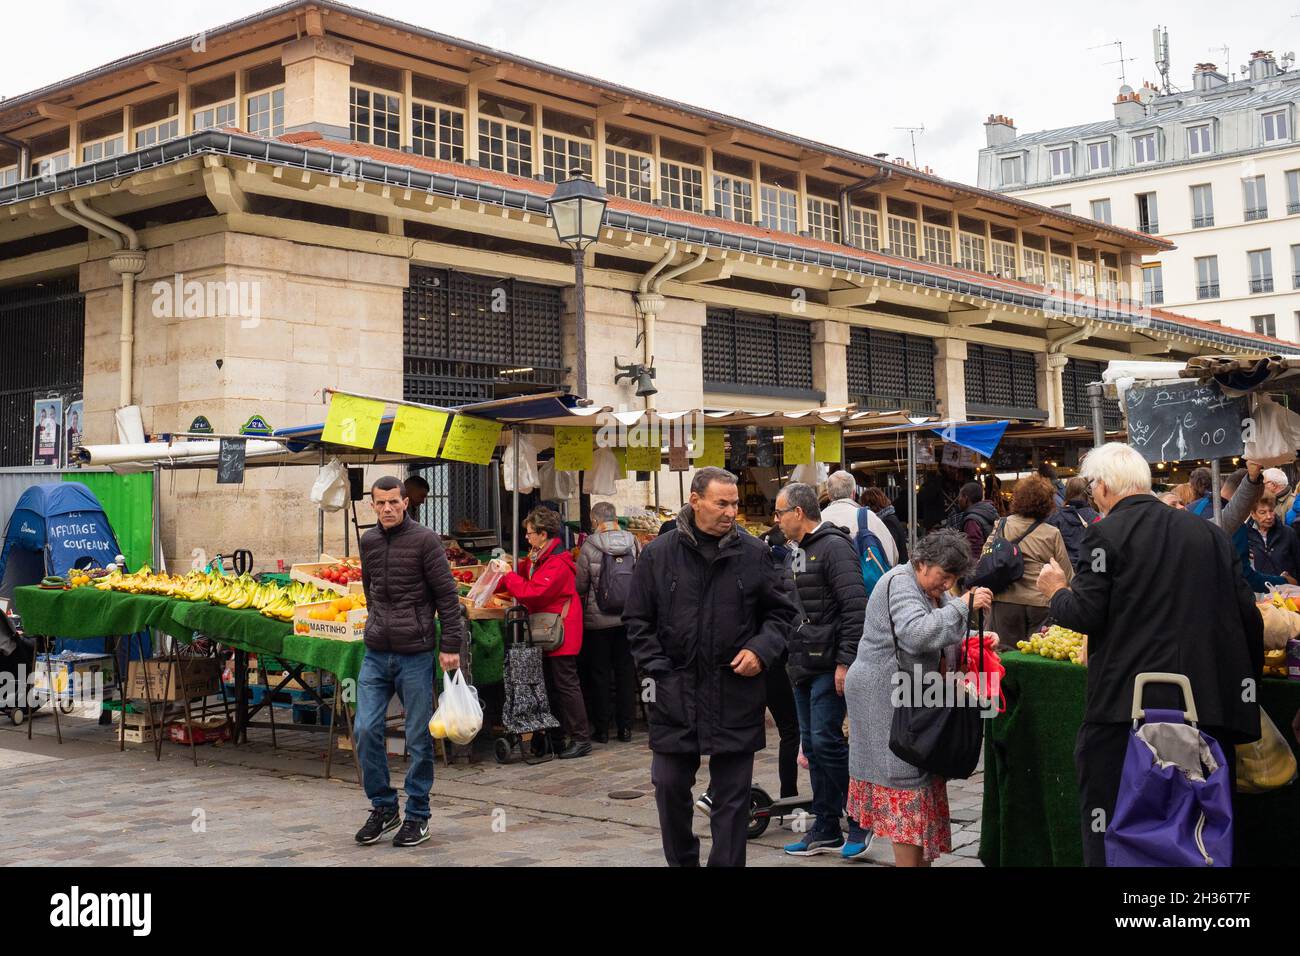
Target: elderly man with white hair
<point>844,513</point>
<point>1278,486</point>
<point>1158,589</point>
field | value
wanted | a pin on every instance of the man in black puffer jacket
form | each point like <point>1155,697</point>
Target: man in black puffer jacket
<point>832,598</point>
<point>407,581</point>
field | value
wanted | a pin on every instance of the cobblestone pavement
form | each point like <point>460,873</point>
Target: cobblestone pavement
<point>84,803</point>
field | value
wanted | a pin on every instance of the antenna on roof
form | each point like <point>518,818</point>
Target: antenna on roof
<point>912,131</point>
<point>1123,72</point>
<point>1160,40</point>
<point>1227,57</point>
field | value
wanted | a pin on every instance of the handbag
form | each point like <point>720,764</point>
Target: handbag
<point>944,740</point>
<point>1001,564</point>
<point>546,628</point>
<point>811,646</point>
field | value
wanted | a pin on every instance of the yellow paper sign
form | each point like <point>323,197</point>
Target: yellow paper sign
<point>353,421</point>
<point>798,446</point>
<point>573,450</point>
<point>714,453</point>
<point>417,431</point>
<point>828,442</point>
<point>471,439</point>
<point>644,459</point>
<point>620,456</point>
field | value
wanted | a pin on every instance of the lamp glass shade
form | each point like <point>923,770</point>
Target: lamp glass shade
<point>577,210</point>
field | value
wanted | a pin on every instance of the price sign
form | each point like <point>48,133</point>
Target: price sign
<point>471,439</point>
<point>353,421</point>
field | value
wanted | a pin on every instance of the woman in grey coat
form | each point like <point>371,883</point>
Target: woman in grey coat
<point>887,795</point>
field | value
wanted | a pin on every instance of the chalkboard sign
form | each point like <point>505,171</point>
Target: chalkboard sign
<point>230,466</point>
<point>1185,422</point>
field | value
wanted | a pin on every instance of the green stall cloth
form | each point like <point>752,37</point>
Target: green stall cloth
<point>88,612</point>
<point>1031,796</point>
<point>128,503</point>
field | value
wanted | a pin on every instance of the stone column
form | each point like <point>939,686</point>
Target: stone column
<point>317,74</point>
<point>830,360</point>
<point>1051,394</point>
<point>950,377</point>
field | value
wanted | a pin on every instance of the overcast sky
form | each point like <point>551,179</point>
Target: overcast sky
<point>835,72</point>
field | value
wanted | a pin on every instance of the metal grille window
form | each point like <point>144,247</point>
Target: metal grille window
<point>1292,192</point>
<point>217,117</point>
<point>266,113</point>
<point>438,132</point>
<point>1000,378</point>
<point>562,154</point>
<point>756,351</point>
<point>1004,258</point>
<point>902,237</point>
<point>1153,285</point>
<point>376,117</point>
<point>780,208</point>
<point>864,228</point>
<point>681,186</point>
<point>1261,270</point>
<point>505,147</point>
<point>889,370</point>
<point>627,174</point>
<point>972,251</point>
<point>1207,277</point>
<point>733,198</point>
<point>938,245</point>
<point>47,323</point>
<point>1077,375</point>
<point>824,219</point>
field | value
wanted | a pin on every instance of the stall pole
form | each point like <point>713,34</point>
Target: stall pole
<point>1098,427</point>
<point>155,551</point>
<point>347,545</point>
<point>911,491</point>
<point>320,519</point>
<point>1215,500</point>
<point>656,480</point>
<point>514,504</point>
<point>681,487</point>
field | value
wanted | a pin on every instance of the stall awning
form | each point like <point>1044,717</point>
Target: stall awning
<point>980,437</point>
<point>1236,376</point>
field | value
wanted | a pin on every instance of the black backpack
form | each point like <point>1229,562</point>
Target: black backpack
<point>1001,564</point>
<point>615,581</point>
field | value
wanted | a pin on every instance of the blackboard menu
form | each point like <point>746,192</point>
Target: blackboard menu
<point>1185,422</point>
<point>230,464</point>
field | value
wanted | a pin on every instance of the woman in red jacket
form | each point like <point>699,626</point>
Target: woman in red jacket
<point>546,583</point>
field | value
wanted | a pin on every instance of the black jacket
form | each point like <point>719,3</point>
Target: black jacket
<point>833,597</point>
<point>1072,520</point>
<point>1170,598</point>
<point>407,578</point>
<point>977,523</point>
<point>1279,554</point>
<point>896,528</point>
<point>687,620</point>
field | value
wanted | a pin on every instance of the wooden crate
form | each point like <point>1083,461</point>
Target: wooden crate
<point>309,573</point>
<point>482,613</point>
<point>353,629</point>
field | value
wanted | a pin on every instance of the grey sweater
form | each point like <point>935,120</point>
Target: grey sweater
<point>924,631</point>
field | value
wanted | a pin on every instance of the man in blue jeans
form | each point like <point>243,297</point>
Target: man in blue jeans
<point>407,580</point>
<point>831,598</point>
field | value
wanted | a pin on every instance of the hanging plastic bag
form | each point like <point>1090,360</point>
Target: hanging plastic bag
<point>557,485</point>
<point>330,490</point>
<point>459,716</point>
<point>528,477</point>
<point>1266,764</point>
<point>600,479</point>
<point>486,585</point>
<point>1272,442</point>
<point>812,475</point>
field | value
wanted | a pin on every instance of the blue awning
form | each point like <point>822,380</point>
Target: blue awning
<point>981,437</point>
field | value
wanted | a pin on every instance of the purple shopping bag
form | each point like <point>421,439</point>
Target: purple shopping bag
<point>1174,806</point>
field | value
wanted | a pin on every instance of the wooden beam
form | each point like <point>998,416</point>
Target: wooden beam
<point>813,163</point>
<point>65,114</point>
<point>1151,348</point>
<point>849,298</point>
<point>621,108</point>
<point>965,318</point>
<point>722,138</point>
<point>314,23</point>
<point>224,194</point>
<point>710,271</point>
<point>961,205</point>
<point>1025,222</point>
<point>486,74</point>
<point>164,74</point>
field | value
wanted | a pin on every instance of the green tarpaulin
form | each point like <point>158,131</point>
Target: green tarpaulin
<point>128,503</point>
<point>1031,797</point>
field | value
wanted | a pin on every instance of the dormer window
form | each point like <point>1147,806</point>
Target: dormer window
<point>1062,161</point>
<point>1099,156</point>
<point>1277,127</point>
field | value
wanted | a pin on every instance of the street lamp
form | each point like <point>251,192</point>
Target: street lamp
<point>577,209</point>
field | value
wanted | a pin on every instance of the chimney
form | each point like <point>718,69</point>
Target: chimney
<point>1128,107</point>
<point>1262,65</point>
<point>1207,77</point>
<point>999,130</point>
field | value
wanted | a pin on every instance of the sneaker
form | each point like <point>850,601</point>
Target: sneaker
<point>705,804</point>
<point>382,819</point>
<point>812,845</point>
<point>413,832</point>
<point>856,849</point>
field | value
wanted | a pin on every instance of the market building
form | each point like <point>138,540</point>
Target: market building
<point>1214,169</point>
<point>317,196</point>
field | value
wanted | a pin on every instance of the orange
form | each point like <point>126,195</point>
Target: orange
<point>341,617</point>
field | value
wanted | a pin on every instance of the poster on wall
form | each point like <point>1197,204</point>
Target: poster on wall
<point>72,431</point>
<point>47,432</point>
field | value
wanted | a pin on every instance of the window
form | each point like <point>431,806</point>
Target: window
<point>902,237</point>
<point>1063,207</point>
<point>266,113</point>
<point>102,137</point>
<point>1110,283</point>
<point>1202,206</point>
<point>681,175</point>
<point>757,351</point>
<point>49,165</point>
<point>1254,199</point>
<point>890,370</point>
<point>214,117</point>
<point>438,131</point>
<point>505,136</point>
<point>568,143</point>
<point>1087,274</point>
<point>1148,216</point>
<point>1295,267</point>
<point>824,219</point>
<point>1277,127</point>
<point>104,149</point>
<point>1144,148</point>
<point>938,244</point>
<point>1013,170</point>
<point>1062,160</point>
<point>1035,266</point>
<point>780,200</point>
<point>1207,277</point>
<point>1004,258</point>
<point>212,104</point>
<point>864,228</point>
<point>1264,325</point>
<point>972,251</point>
<point>1261,270</point>
<point>998,378</point>
<point>1153,285</point>
<point>1198,140</point>
<point>627,174</point>
<point>1292,192</point>
<point>1101,210</point>
<point>376,117</point>
<point>733,188</point>
<point>9,175</point>
<point>1099,155</point>
<point>1062,272</point>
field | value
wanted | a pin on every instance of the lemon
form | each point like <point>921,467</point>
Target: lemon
<point>438,729</point>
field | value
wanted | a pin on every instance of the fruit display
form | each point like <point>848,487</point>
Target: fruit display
<point>1058,644</point>
<point>644,524</point>
<point>1275,663</point>
<point>464,576</point>
<point>237,593</point>
<point>1285,603</point>
<point>344,572</point>
<point>459,557</point>
<point>78,579</point>
<point>336,610</point>
<point>756,528</point>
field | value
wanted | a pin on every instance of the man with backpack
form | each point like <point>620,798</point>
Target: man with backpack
<point>830,598</point>
<point>975,517</point>
<point>604,577</point>
<point>843,512</point>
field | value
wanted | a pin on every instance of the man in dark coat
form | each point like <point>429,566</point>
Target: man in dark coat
<point>407,581</point>
<point>1274,548</point>
<point>831,597</point>
<point>1163,592</point>
<point>975,517</point>
<point>709,609</point>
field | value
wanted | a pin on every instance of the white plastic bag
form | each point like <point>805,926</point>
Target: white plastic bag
<point>330,490</point>
<point>557,485</point>
<point>528,477</point>
<point>600,480</point>
<point>1273,442</point>
<point>459,716</point>
<point>812,475</point>
<point>485,586</point>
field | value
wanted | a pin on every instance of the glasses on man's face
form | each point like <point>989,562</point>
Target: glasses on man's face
<point>779,512</point>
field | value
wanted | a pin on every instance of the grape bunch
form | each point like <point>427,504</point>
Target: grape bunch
<point>1056,643</point>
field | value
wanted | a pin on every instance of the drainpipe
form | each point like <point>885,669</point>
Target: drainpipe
<point>650,303</point>
<point>880,177</point>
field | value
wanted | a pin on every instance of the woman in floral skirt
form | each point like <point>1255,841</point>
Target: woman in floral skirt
<point>887,795</point>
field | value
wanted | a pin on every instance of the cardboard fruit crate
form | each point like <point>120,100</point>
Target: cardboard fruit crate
<point>353,629</point>
<point>196,677</point>
<point>310,573</point>
<point>205,730</point>
<point>482,613</point>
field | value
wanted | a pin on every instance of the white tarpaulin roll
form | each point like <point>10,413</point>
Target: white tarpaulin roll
<point>142,457</point>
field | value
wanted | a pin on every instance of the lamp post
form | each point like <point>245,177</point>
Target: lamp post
<point>577,209</point>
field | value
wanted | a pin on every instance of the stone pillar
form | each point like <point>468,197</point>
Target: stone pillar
<point>1130,277</point>
<point>317,74</point>
<point>830,360</point>
<point>1051,395</point>
<point>950,377</point>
